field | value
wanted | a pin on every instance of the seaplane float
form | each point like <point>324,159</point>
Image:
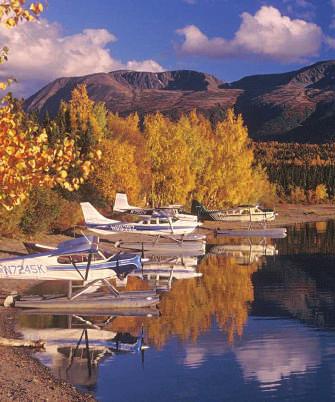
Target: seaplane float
<point>242,213</point>
<point>121,205</point>
<point>80,260</point>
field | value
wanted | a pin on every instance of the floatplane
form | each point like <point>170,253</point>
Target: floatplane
<point>242,213</point>
<point>121,205</point>
<point>161,226</point>
<point>76,260</point>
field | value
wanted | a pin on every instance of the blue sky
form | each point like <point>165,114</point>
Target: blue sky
<point>227,38</point>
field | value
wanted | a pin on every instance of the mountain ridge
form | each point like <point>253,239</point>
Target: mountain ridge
<point>296,106</point>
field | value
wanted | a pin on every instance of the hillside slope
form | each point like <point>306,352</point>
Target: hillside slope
<point>293,106</point>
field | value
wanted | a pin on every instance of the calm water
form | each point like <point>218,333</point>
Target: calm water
<point>252,328</point>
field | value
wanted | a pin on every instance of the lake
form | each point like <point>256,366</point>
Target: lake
<point>258,325</point>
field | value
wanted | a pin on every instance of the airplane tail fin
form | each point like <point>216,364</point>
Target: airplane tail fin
<point>197,208</point>
<point>121,203</point>
<point>92,216</point>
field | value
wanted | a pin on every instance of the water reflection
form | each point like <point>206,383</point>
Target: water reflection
<point>252,321</point>
<point>278,350</point>
<point>76,345</point>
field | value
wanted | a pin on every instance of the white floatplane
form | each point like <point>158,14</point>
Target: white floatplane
<point>152,226</point>
<point>76,260</point>
<point>242,213</point>
<point>121,205</point>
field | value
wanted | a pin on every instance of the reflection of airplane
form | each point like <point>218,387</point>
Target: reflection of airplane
<point>79,260</point>
<point>121,205</point>
<point>244,254</point>
<point>73,353</point>
<point>152,226</point>
<point>242,213</point>
<point>164,248</point>
<point>162,271</point>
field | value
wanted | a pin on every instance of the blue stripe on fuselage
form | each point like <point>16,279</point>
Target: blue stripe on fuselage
<point>131,228</point>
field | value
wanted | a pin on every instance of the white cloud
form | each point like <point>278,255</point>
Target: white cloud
<point>39,53</point>
<point>145,65</point>
<point>268,33</point>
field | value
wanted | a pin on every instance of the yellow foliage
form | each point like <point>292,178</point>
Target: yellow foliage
<point>321,193</point>
<point>27,160</point>
<point>116,171</point>
<point>169,160</point>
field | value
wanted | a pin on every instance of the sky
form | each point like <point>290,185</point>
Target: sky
<point>227,38</point>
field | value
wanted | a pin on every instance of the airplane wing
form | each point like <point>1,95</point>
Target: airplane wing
<point>88,244</point>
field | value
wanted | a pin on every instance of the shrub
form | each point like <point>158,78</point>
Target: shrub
<point>297,194</point>
<point>321,193</point>
<point>10,220</point>
<point>69,215</point>
<point>42,211</point>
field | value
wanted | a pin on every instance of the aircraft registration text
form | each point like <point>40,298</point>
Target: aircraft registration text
<point>9,270</point>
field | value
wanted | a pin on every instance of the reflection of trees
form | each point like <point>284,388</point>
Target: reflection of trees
<point>300,286</point>
<point>224,293</point>
<point>310,238</point>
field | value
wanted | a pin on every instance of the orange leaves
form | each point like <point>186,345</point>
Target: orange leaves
<point>27,159</point>
<point>14,11</point>
<point>36,7</point>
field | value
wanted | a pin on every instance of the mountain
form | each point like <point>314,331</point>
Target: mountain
<point>293,106</point>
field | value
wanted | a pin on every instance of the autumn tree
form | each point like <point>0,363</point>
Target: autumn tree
<point>321,193</point>
<point>198,135</point>
<point>232,177</point>
<point>169,158</point>
<point>26,157</point>
<point>116,171</point>
<point>127,130</point>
